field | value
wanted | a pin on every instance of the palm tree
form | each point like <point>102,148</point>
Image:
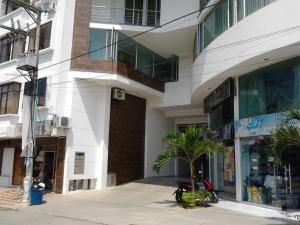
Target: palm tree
<point>287,133</point>
<point>189,146</point>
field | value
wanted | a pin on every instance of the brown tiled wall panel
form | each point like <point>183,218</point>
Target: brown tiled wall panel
<point>127,139</point>
<point>80,47</point>
<point>60,160</point>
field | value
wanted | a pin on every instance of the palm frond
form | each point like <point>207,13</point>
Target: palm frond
<point>163,157</point>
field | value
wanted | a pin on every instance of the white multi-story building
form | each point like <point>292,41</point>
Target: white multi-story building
<point>232,65</point>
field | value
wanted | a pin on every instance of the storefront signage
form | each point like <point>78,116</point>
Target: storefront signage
<point>79,163</point>
<point>224,133</point>
<point>224,91</point>
<point>257,125</point>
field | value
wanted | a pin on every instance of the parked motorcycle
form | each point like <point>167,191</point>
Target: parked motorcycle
<point>187,187</point>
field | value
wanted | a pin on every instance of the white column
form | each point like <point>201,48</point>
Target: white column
<point>237,145</point>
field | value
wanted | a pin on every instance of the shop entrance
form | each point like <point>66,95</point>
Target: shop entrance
<point>266,182</point>
<point>44,166</point>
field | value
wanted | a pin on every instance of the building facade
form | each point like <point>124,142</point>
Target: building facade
<point>120,74</point>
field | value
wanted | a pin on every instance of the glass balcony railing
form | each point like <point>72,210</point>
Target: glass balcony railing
<point>132,54</point>
<point>126,16</point>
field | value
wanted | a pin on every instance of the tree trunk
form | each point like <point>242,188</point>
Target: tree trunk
<point>192,176</point>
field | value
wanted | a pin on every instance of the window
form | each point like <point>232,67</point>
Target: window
<point>9,6</point>
<point>240,10</point>
<point>9,98</point>
<point>11,46</point>
<point>42,86</point>
<point>5,45</point>
<point>153,13</point>
<point>216,23</point>
<point>270,90</point>
<point>79,163</point>
<point>98,39</point>
<point>44,37</point>
<point>134,12</point>
<point>254,5</point>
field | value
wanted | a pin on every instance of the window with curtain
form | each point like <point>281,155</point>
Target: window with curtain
<point>9,98</point>
<point>216,23</point>
<point>270,90</point>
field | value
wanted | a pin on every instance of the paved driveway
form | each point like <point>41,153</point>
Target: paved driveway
<point>136,203</point>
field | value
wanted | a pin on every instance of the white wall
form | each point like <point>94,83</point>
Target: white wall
<point>89,132</point>
<point>245,46</point>
<point>172,9</point>
<point>178,93</point>
<point>156,125</point>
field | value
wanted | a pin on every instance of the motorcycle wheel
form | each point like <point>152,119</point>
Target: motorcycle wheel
<point>178,196</point>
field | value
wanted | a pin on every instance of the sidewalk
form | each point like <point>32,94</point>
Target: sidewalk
<point>12,197</point>
<point>256,210</point>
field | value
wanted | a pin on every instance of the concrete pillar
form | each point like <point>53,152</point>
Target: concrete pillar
<point>237,145</point>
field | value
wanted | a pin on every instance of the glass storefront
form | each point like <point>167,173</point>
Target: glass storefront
<point>229,171</point>
<point>263,181</point>
<point>270,90</point>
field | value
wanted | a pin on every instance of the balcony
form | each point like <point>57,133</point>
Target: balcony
<point>132,55</point>
<point>124,16</point>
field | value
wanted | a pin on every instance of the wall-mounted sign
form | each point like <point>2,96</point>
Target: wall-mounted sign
<point>224,91</point>
<point>79,163</point>
<point>258,125</point>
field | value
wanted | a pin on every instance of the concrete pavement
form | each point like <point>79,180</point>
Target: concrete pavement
<point>136,203</point>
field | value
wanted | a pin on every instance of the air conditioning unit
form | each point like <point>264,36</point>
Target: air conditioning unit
<point>61,122</point>
<point>47,5</point>
<point>118,94</point>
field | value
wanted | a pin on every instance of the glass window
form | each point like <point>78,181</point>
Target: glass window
<point>134,12</point>
<point>41,92</point>
<point>240,10</point>
<point>98,41</point>
<point>254,5</point>
<point>216,23</point>
<point>265,182</point>
<point>5,49</point>
<point>145,60</point>
<point>231,12</point>
<point>127,50</point>
<point>153,13</point>
<point>9,98</point>
<point>270,90</point>
<point>45,36</point>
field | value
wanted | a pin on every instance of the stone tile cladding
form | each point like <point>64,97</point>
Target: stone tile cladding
<point>127,139</point>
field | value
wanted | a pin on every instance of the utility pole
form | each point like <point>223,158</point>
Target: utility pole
<point>32,70</point>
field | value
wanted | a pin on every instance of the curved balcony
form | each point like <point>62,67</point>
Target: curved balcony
<point>260,39</point>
